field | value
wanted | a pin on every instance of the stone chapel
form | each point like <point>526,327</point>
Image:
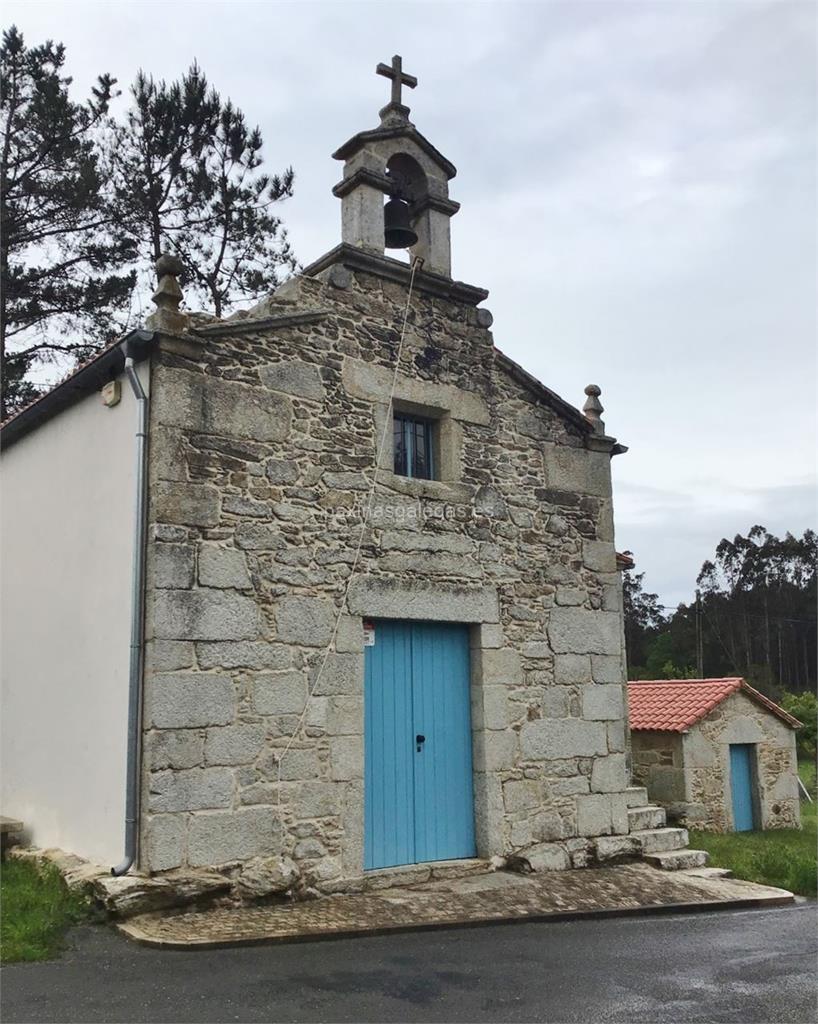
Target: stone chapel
<point>376,620</point>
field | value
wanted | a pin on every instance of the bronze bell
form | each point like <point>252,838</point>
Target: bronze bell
<point>398,233</point>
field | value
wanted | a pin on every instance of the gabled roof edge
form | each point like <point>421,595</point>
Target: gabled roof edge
<point>770,705</point>
<point>539,389</point>
<point>89,377</point>
<point>405,130</point>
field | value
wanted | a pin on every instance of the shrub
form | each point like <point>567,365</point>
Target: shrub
<point>804,706</point>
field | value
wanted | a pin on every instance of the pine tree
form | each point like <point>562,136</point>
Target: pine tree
<point>152,156</point>
<point>187,179</point>
<point>237,247</point>
<point>61,294</point>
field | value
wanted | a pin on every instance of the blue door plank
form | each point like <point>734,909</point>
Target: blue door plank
<point>418,803</point>
<point>428,722</point>
<point>741,786</point>
<point>444,806</point>
<point>389,837</point>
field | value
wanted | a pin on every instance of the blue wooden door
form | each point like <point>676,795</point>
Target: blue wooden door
<point>418,802</point>
<point>741,786</point>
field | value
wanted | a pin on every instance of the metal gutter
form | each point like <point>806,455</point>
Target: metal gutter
<point>131,349</point>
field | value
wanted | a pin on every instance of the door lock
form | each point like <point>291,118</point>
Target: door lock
<point>420,740</point>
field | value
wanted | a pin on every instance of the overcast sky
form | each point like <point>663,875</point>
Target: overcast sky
<point>638,190</point>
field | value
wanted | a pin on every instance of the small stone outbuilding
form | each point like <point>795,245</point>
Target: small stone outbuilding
<point>717,754</point>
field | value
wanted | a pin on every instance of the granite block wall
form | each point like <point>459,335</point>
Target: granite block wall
<point>264,433</point>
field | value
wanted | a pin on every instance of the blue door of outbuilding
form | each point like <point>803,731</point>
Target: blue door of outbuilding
<point>418,802</point>
<point>741,786</point>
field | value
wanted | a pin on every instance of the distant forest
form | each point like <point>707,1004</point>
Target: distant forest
<point>755,617</point>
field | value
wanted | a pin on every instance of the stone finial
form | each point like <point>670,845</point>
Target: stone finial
<point>168,296</point>
<point>593,408</point>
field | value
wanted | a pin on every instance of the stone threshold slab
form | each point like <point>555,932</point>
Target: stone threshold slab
<point>628,889</point>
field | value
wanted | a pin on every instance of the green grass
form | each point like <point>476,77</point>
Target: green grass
<point>781,857</point>
<point>36,910</point>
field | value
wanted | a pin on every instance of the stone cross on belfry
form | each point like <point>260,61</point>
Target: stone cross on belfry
<point>398,76</point>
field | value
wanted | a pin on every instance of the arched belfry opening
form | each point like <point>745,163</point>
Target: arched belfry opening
<point>395,188</point>
<point>408,177</point>
<point>409,189</point>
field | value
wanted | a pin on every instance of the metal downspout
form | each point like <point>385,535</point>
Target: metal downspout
<point>136,663</point>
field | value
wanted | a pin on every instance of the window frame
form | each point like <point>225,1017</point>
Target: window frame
<point>409,422</point>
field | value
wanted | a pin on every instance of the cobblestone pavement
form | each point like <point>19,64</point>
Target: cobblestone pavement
<point>476,899</point>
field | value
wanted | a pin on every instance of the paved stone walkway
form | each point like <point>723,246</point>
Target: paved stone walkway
<point>466,901</point>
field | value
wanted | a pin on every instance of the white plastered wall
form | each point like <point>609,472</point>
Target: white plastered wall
<point>66,529</point>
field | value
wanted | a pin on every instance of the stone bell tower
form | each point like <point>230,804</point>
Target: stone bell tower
<point>394,161</point>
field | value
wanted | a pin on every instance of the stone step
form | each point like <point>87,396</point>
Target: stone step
<point>660,840</point>
<point>127,895</point>
<point>636,796</point>
<point>640,818</point>
<point>707,872</point>
<point>427,871</point>
<point>609,848</point>
<point>677,860</point>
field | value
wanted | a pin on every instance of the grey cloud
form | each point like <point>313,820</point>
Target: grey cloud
<point>673,533</point>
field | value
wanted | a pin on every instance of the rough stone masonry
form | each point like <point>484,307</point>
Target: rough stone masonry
<point>263,439</point>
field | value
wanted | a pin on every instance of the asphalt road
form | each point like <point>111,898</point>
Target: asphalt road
<point>741,966</point>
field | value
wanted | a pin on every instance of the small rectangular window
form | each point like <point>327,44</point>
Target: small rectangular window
<point>414,450</point>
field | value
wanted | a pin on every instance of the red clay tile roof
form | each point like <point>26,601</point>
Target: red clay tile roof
<point>673,705</point>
